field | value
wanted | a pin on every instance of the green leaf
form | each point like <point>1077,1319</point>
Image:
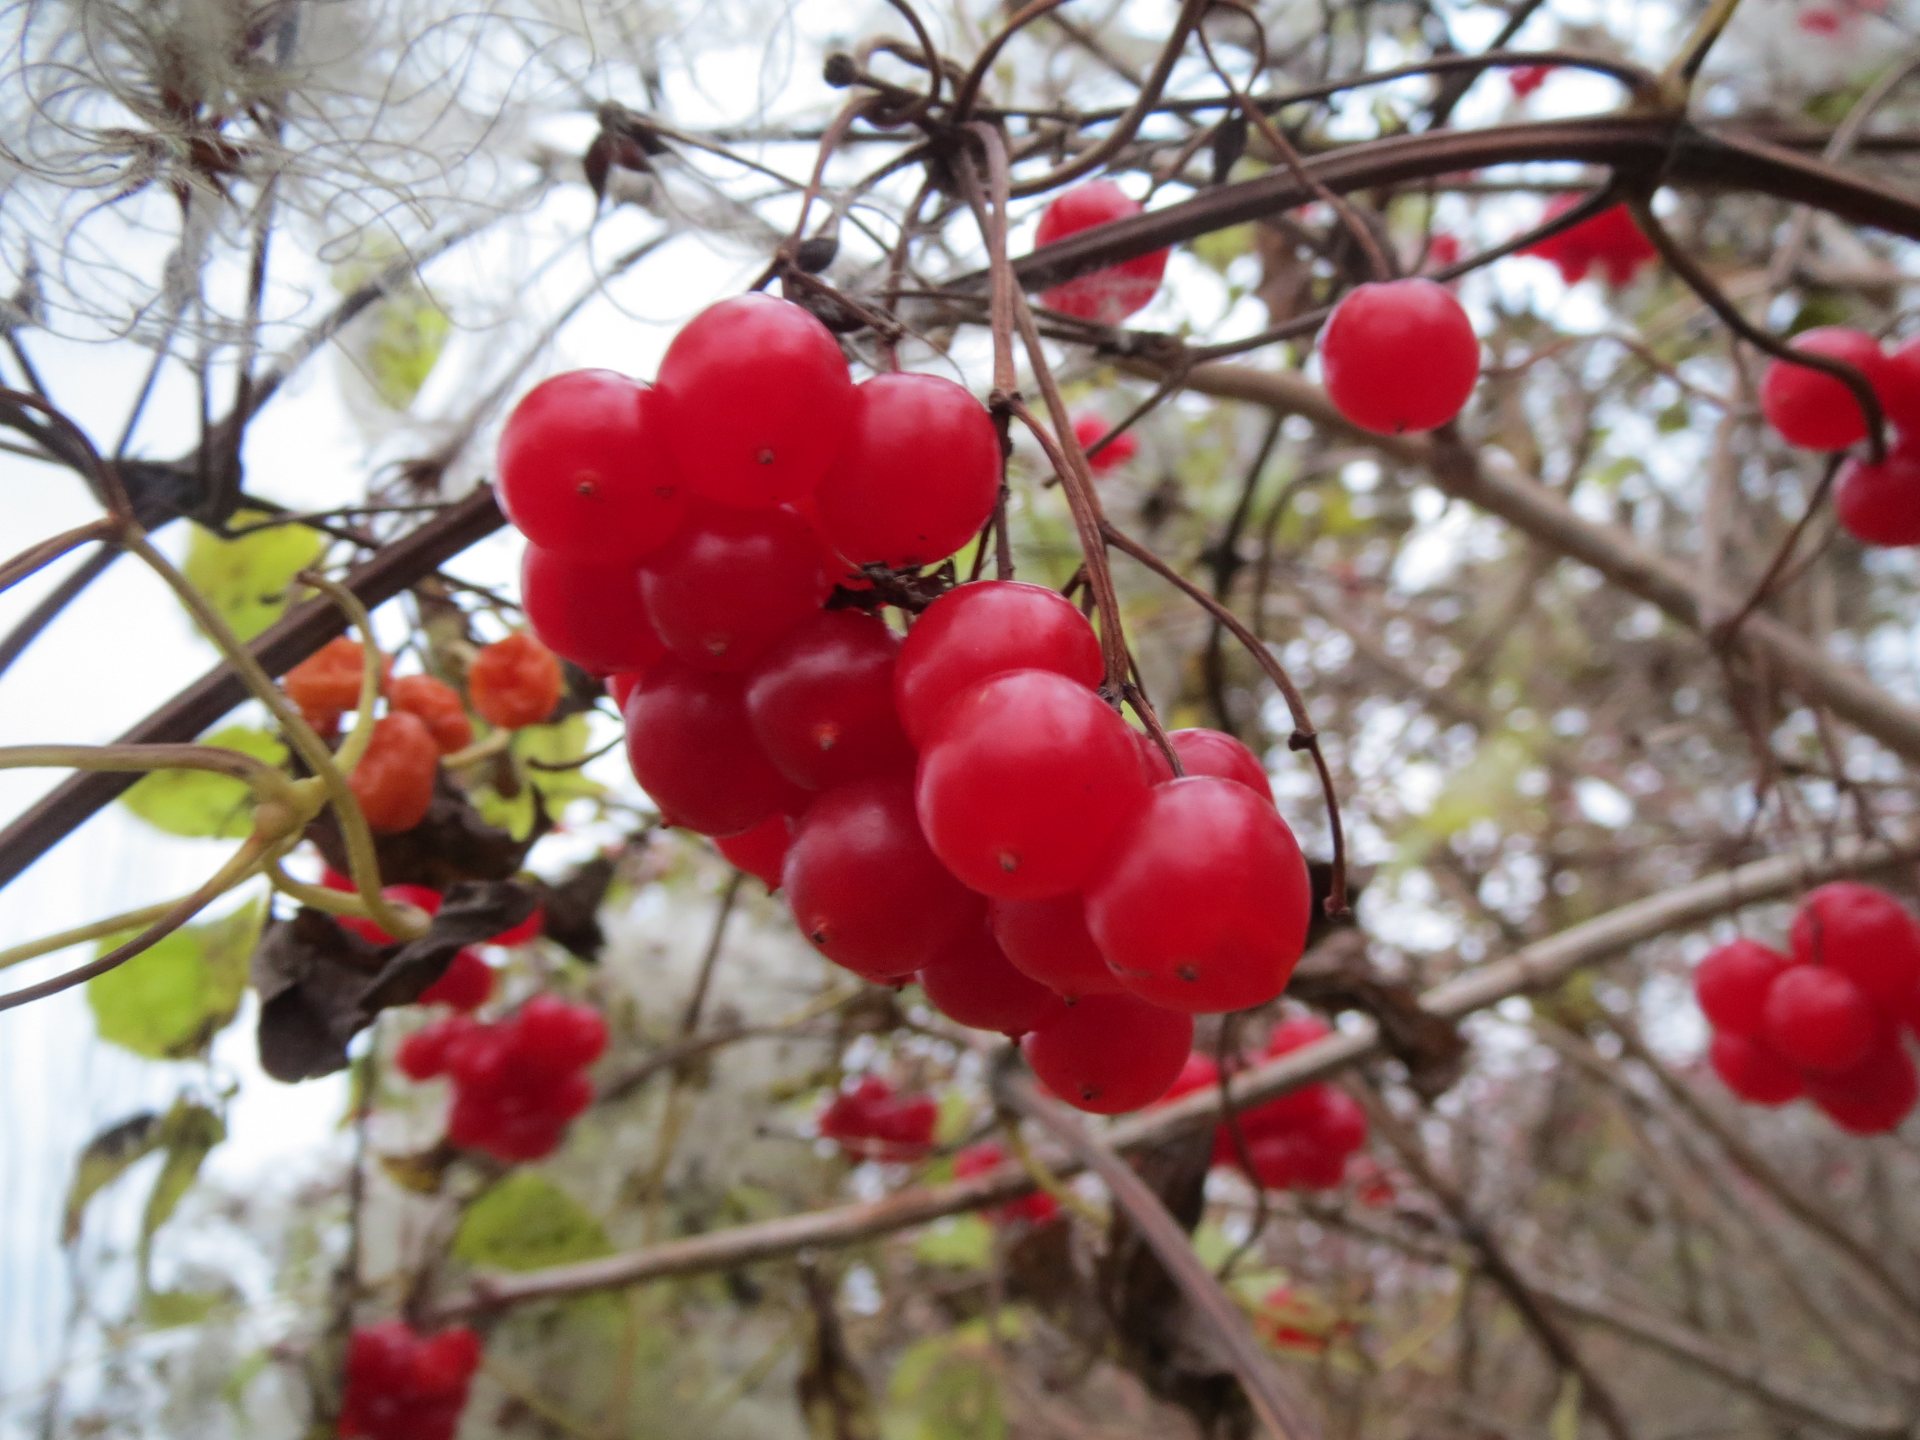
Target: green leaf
<point>246,579</point>
<point>167,1002</point>
<point>170,1309</point>
<point>189,1133</point>
<point>107,1157</point>
<point>410,331</point>
<point>562,743</point>
<point>199,803</point>
<point>945,1388</point>
<point>527,1222</point>
<point>965,1243</point>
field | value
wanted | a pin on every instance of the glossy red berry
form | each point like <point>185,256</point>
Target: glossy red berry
<point>1752,1071</point>
<point>1047,941</point>
<point>1108,1054</point>
<point>821,701</point>
<point>1810,408</point>
<point>865,889</point>
<point>583,471</point>
<point>1089,430</point>
<point>1214,752</point>
<point>428,1051</point>
<point>972,983</point>
<point>1200,1072</point>
<point>1367,350</point>
<point>1024,782</point>
<point>1525,79</point>
<point>1612,240</point>
<point>395,777</point>
<point>1154,763</point>
<point>871,1122</point>
<point>762,851</point>
<point>1872,1098</point>
<point>1732,983</point>
<point>1110,294</point>
<point>731,583</point>
<point>693,751</point>
<point>620,686</point>
<point>977,631</point>
<point>590,614</point>
<point>1819,1019</point>
<point>514,682</point>
<point>1899,388</point>
<point>1865,934</point>
<point>405,1386</point>
<point>918,477</point>
<point>1879,505</point>
<point>465,984</point>
<point>760,401</point>
<point>1204,905</point>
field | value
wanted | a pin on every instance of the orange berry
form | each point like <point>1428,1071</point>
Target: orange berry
<point>438,704</point>
<point>514,682</point>
<point>394,780</point>
<point>327,682</point>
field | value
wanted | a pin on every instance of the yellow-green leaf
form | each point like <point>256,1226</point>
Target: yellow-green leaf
<point>246,579</point>
<point>199,803</point>
<point>168,1001</point>
<point>527,1222</point>
<point>409,333</point>
<point>107,1157</point>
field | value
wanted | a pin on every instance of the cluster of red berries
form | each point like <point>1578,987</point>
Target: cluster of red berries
<point>1298,1141</point>
<point>1878,504</point>
<point>1090,430</point>
<point>871,1121</point>
<point>1826,1021</point>
<point>519,1082</point>
<point>1611,241</point>
<point>512,683</point>
<point>406,1386</point>
<point>467,983</point>
<point>684,538</point>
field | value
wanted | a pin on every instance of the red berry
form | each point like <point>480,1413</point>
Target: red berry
<point>1198,1073</point>
<point>514,682</point>
<point>1443,249</point>
<point>1865,934</point>
<point>1525,79</point>
<point>1154,763</point>
<point>464,985</point>
<point>437,704</point>
<point>620,686</point>
<point>1090,429</point>
<point>1341,1123</point>
<point>971,982</point>
<point>864,887</point>
<point>693,751</point>
<point>418,896</point>
<point>1810,408</point>
<point>871,1122</point>
<point>1367,350</point>
<point>1880,504</point>
<point>1108,1054</point>
<point>1873,1097</point>
<point>327,682</point>
<point>1023,783</point>
<point>1047,940</point>
<point>425,1053</point>
<point>1612,240</point>
<point>1214,752</point>
<point>583,470</point>
<point>977,631</point>
<point>1204,905</point>
<point>1034,1209</point>
<point>395,777</point>
<point>590,614</point>
<point>403,1386</point>
<point>1107,295</point>
<point>1819,1019</point>
<point>731,583</point>
<point>919,475</point>
<point>1732,983</point>
<point>821,701</point>
<point>761,851</point>
<point>1899,388</point>
<point>761,401</point>
<point>530,928</point>
<point>1296,1032</point>
<point>553,1036</point>
<point>1753,1071</point>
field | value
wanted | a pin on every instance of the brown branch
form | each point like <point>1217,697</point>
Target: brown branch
<point>1271,1397</point>
<point>296,635</point>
